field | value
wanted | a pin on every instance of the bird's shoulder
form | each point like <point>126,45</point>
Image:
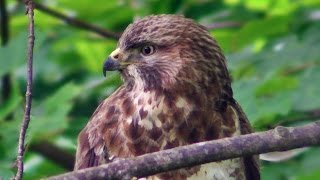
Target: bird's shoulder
<point>92,150</point>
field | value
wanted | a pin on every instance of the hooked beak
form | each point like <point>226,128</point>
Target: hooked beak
<point>112,63</point>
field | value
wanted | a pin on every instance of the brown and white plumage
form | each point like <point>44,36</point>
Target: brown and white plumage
<point>176,92</point>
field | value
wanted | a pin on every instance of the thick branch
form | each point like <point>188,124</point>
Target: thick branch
<point>26,116</point>
<point>279,139</point>
<point>77,23</point>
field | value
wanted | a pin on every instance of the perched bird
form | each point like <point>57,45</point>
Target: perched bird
<point>176,91</point>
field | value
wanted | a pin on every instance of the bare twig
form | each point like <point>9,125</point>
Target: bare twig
<point>221,25</point>
<point>306,116</point>
<point>300,68</point>
<point>109,34</point>
<point>279,139</point>
<point>76,22</point>
<point>26,117</point>
<point>54,153</point>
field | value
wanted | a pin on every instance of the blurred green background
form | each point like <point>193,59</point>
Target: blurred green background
<point>272,48</point>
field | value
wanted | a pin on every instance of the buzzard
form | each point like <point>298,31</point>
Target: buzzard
<point>176,91</point>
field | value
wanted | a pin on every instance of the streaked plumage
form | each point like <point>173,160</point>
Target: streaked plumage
<point>176,92</point>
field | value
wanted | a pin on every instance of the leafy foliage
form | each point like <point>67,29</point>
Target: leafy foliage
<point>273,57</point>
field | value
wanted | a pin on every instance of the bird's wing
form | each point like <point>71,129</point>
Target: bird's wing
<point>86,156</point>
<point>251,163</point>
<point>91,150</point>
<point>99,142</point>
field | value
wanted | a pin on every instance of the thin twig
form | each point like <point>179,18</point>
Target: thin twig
<point>278,139</point>
<point>76,22</point>
<point>26,117</point>
<point>54,153</point>
<point>306,116</point>
<point>300,68</point>
<point>109,34</point>
<point>221,25</point>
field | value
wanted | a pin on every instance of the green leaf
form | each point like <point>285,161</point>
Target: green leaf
<point>13,55</point>
<point>50,116</point>
<point>303,167</point>
<point>12,103</point>
<point>310,165</point>
<point>310,176</point>
<point>9,136</point>
<point>36,167</point>
<point>256,29</point>
<point>5,172</point>
<point>263,109</point>
<point>269,107</point>
<point>258,5</point>
<point>244,94</point>
<point>307,95</point>
<point>94,58</point>
<point>276,84</point>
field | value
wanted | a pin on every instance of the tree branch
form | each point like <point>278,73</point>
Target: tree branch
<point>220,25</point>
<point>54,153</point>
<point>108,34</point>
<point>279,139</point>
<point>76,22</point>
<point>306,115</point>
<point>26,116</point>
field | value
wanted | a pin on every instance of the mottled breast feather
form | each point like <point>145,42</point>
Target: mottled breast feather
<point>178,96</point>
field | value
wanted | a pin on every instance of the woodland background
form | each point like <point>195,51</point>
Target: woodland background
<point>272,48</point>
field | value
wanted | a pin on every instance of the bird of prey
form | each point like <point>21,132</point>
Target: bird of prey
<point>176,91</point>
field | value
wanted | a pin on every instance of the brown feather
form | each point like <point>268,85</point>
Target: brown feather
<point>86,156</point>
<point>179,95</point>
<point>251,163</point>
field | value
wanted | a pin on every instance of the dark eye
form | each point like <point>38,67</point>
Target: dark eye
<point>147,50</point>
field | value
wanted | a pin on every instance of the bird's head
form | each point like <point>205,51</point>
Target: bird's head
<point>156,51</point>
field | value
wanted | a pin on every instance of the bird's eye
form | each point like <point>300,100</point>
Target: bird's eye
<point>147,50</point>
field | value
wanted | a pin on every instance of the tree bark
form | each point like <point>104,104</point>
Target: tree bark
<point>278,139</point>
<point>27,110</point>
